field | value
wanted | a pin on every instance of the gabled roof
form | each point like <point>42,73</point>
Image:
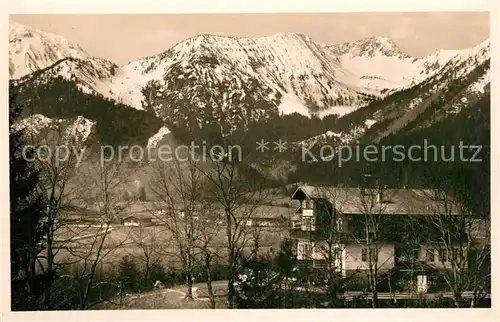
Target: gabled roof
<point>394,201</point>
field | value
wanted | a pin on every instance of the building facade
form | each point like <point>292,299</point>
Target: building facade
<point>356,230</point>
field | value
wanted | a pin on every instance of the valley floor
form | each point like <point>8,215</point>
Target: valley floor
<point>174,298</point>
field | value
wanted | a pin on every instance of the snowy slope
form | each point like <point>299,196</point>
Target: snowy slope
<point>288,63</point>
<point>459,82</point>
<point>383,68</point>
<point>32,50</point>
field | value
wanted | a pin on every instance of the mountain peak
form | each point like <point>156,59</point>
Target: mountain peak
<point>31,49</point>
<point>369,47</point>
<point>214,38</point>
<point>18,31</point>
<point>380,41</point>
<point>486,43</point>
<point>289,34</point>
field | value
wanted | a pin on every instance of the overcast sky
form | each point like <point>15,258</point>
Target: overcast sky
<point>122,38</point>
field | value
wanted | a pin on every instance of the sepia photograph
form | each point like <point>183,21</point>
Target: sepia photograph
<point>249,161</point>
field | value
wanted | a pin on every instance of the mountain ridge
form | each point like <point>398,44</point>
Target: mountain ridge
<point>222,83</point>
<point>320,71</point>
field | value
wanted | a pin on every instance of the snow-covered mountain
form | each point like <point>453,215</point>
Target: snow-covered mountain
<point>457,84</point>
<point>31,49</point>
<point>383,68</point>
<point>289,63</point>
<point>308,75</point>
<point>211,80</point>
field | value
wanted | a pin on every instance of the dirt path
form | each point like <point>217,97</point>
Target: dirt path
<point>170,298</point>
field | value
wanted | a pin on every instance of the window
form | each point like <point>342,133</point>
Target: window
<point>455,255</point>
<point>307,204</point>
<point>308,223</point>
<point>430,255</point>
<point>368,254</point>
<point>373,252</point>
<point>339,224</point>
<point>308,248</point>
<point>305,250</point>
<point>364,254</point>
<point>443,255</point>
<point>370,236</point>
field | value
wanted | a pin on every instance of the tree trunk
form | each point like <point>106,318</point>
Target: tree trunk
<point>232,261</point>
<point>373,286</point>
<point>189,277</point>
<point>121,293</point>
<point>457,299</point>
<point>209,282</point>
<point>230,284</point>
<point>50,265</point>
<point>374,299</point>
<point>47,286</point>
<point>146,275</point>
<point>189,282</point>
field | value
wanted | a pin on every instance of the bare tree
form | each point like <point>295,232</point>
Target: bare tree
<point>178,187</point>
<point>102,239</point>
<point>147,241</point>
<point>458,242</point>
<point>238,192</point>
<point>256,234</point>
<point>208,251</point>
<point>331,237</point>
<point>368,232</point>
<point>58,156</point>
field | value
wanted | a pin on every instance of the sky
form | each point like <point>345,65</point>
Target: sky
<point>123,38</point>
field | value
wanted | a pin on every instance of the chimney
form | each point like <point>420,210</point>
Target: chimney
<point>379,197</point>
<point>405,178</point>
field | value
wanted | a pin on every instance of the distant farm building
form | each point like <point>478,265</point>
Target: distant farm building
<point>136,222</point>
<point>269,216</point>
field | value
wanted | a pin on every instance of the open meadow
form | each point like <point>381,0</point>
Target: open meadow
<point>77,241</point>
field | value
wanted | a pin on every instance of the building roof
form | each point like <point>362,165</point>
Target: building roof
<point>393,201</point>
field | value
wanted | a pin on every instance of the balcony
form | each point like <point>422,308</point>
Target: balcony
<point>318,264</point>
<point>298,233</point>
